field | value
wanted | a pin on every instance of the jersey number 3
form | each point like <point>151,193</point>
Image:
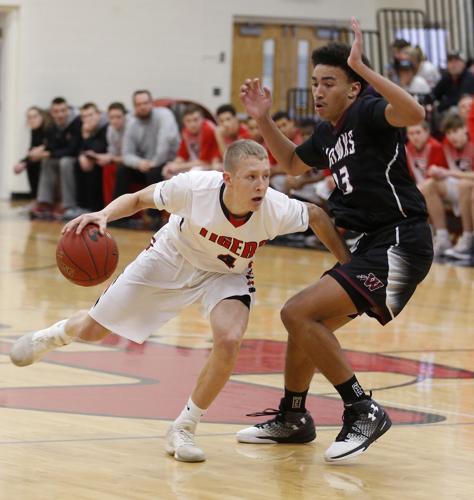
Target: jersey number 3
<point>341,178</point>
<point>228,260</point>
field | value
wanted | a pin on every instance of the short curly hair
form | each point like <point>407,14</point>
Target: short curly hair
<point>336,54</point>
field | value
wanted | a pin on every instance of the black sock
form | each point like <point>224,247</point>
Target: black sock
<point>295,401</point>
<point>351,391</point>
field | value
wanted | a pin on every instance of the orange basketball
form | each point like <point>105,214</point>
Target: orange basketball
<point>89,258</point>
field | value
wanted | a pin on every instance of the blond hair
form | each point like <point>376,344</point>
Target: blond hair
<point>239,150</point>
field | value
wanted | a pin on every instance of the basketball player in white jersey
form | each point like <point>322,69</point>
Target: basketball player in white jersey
<point>205,254</point>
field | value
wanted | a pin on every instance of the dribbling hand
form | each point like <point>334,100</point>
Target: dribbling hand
<point>256,99</point>
<point>79,223</point>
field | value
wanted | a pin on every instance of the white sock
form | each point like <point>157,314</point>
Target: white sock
<point>467,235</point>
<point>190,416</point>
<point>442,234</point>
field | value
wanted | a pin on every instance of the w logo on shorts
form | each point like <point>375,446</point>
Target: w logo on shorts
<point>371,281</point>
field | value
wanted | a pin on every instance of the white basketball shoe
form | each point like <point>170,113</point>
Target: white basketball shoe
<point>31,347</point>
<point>181,443</point>
<point>364,422</point>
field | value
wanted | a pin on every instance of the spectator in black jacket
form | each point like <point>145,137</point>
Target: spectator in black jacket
<point>58,157</point>
<point>88,170</point>
<point>37,121</point>
<point>456,82</point>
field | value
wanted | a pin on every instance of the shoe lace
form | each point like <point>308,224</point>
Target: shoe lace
<point>186,437</point>
<point>267,412</point>
<point>349,419</point>
<point>349,426</point>
<point>45,340</point>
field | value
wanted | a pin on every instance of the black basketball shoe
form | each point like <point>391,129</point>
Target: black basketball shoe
<point>285,427</point>
<point>364,422</point>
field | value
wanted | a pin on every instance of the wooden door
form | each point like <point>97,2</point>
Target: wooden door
<point>280,55</point>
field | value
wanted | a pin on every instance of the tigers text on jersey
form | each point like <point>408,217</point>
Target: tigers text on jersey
<point>367,159</point>
<point>200,227</point>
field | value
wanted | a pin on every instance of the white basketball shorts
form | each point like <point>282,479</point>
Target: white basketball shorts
<point>156,287</point>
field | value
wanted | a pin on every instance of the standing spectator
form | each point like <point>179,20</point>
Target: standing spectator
<point>198,147</point>
<point>229,129</point>
<point>37,121</point>
<point>150,141</point>
<point>58,158</point>
<point>88,170</point>
<point>423,151</point>
<point>459,154</point>
<point>456,82</point>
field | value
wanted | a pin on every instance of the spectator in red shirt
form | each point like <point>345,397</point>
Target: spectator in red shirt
<point>423,151</point>
<point>459,154</point>
<point>198,148</point>
<point>470,122</point>
<point>228,129</point>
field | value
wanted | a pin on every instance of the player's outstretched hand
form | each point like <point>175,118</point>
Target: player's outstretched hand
<point>79,223</point>
<point>355,57</point>
<point>256,99</point>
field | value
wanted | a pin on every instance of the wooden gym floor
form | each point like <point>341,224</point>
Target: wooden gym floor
<point>89,421</point>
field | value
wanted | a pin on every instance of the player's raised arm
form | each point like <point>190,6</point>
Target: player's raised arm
<point>258,101</point>
<point>403,110</point>
<point>324,229</point>
<point>123,206</point>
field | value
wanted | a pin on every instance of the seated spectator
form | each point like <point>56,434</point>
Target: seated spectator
<point>118,121</point>
<point>456,82</point>
<point>254,130</point>
<point>424,68</point>
<point>459,154</point>
<point>37,121</point>
<point>464,248</point>
<point>198,148</point>
<point>423,151</point>
<point>228,129</point>
<point>88,170</point>
<point>411,82</point>
<point>470,123</point>
<point>306,128</point>
<point>397,49</point>
<point>279,180</point>
<point>58,158</point>
<point>464,107</point>
<point>150,141</point>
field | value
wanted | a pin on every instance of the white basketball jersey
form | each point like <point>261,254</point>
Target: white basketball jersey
<point>200,230</point>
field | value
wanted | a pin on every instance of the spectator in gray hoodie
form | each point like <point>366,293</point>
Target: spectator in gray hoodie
<point>150,141</point>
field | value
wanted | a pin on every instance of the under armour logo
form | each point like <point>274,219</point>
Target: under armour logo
<point>371,281</point>
<point>296,402</point>
<point>375,409</point>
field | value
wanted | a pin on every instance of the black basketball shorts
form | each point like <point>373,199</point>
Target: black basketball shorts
<point>386,267</point>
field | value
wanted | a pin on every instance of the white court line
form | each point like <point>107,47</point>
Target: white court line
<point>424,408</point>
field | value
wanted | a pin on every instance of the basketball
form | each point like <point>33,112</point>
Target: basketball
<point>89,258</point>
